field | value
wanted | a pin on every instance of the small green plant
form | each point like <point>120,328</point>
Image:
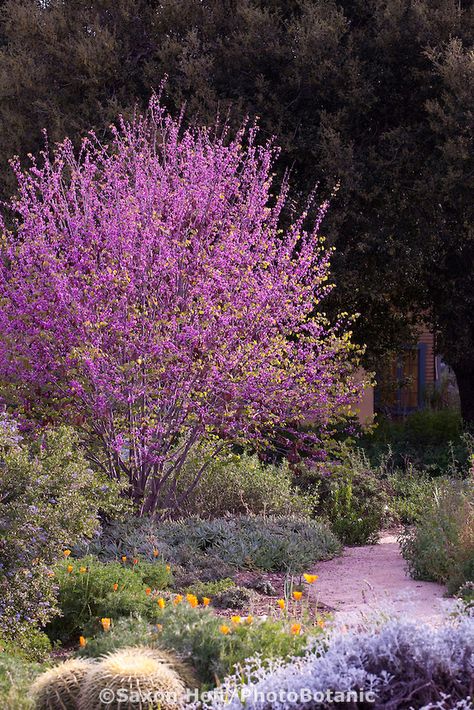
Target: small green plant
<point>154,575</point>
<point>210,589</point>
<point>146,678</point>
<point>352,496</point>
<point>262,586</point>
<point>58,688</point>
<point>89,590</point>
<point>234,598</point>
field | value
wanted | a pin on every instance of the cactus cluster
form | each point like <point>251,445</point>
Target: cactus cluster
<point>129,678</point>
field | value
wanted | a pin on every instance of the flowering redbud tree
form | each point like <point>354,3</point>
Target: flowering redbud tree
<point>150,298</point>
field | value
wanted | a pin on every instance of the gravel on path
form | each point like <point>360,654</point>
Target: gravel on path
<point>373,579</point>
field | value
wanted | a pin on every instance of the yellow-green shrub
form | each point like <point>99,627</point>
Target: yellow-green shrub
<point>89,590</point>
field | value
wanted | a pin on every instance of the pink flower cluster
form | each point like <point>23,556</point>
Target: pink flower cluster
<point>148,293</point>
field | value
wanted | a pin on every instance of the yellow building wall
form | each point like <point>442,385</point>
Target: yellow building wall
<point>366,403</point>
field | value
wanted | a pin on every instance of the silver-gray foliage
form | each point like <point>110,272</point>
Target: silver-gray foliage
<point>406,665</point>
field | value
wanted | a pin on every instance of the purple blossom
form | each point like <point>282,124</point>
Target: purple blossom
<point>150,294</point>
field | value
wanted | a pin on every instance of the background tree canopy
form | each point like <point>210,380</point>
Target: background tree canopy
<point>373,95</point>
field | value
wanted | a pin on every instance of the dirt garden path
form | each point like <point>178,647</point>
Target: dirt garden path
<point>372,579</point>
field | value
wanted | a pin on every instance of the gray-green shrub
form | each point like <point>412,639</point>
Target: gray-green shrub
<point>16,678</point>
<point>240,484</point>
<point>441,545</point>
<point>276,543</point>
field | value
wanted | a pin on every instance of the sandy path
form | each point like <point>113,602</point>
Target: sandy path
<point>372,579</point>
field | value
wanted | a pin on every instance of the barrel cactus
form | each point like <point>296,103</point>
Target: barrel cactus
<point>58,688</point>
<point>133,678</point>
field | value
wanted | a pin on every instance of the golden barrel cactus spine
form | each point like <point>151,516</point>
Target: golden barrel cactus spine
<point>58,688</point>
<point>133,678</point>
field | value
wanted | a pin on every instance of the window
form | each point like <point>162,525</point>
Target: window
<point>401,382</point>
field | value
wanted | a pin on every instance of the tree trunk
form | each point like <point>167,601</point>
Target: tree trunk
<point>465,378</point>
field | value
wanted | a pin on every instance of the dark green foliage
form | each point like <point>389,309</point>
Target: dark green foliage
<point>425,428</point>
<point>429,440</point>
